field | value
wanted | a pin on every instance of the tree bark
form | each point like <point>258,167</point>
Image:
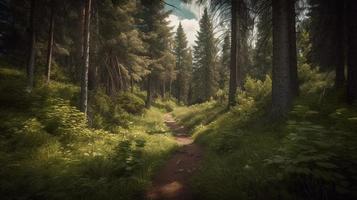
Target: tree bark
<point>50,42</point>
<point>293,53</point>
<point>352,52</point>
<point>93,79</point>
<point>148,92</point>
<point>281,89</point>
<point>339,39</point>
<point>234,52</point>
<point>84,80</point>
<point>32,48</point>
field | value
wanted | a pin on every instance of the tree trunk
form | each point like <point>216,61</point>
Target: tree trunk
<point>281,89</point>
<point>293,53</point>
<point>131,84</point>
<point>32,48</point>
<point>84,81</point>
<point>352,52</point>
<point>163,89</point>
<point>148,92</point>
<point>93,70</point>
<point>339,39</point>
<point>234,52</point>
<point>50,42</point>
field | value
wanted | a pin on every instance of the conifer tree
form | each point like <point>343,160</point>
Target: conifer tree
<point>225,61</point>
<point>182,68</point>
<point>205,66</point>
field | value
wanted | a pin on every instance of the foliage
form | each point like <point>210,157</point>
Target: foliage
<point>48,151</point>
<point>309,156</point>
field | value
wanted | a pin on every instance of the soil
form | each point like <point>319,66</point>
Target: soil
<point>172,181</point>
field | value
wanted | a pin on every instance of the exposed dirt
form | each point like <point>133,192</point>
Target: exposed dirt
<point>172,181</point>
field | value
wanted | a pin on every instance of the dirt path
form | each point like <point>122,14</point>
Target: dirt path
<point>172,181</point>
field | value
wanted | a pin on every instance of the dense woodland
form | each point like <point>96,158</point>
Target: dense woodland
<point>268,92</point>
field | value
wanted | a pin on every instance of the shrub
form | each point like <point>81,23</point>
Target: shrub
<point>130,103</point>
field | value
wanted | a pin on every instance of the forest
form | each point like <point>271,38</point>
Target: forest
<point>178,99</point>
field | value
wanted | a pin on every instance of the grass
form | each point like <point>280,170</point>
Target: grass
<point>47,151</point>
<point>308,155</point>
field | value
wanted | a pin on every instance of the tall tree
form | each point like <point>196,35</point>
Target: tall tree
<point>234,52</point>
<point>225,61</point>
<point>352,52</point>
<point>157,36</point>
<point>205,63</point>
<point>294,83</point>
<point>181,51</point>
<point>32,47</point>
<point>50,41</point>
<point>281,90</point>
<point>84,77</point>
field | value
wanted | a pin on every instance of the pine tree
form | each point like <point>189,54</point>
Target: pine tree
<point>157,36</point>
<point>181,53</point>
<point>225,61</point>
<point>205,66</point>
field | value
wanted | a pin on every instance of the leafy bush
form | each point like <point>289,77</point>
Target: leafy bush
<point>309,160</point>
<point>61,119</point>
<point>258,89</point>
<point>130,103</point>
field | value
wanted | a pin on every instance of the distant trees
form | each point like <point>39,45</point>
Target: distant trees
<point>333,42</point>
<point>205,73</point>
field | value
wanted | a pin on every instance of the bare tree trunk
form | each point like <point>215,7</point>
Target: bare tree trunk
<point>234,52</point>
<point>84,81</point>
<point>32,48</point>
<point>163,89</point>
<point>339,38</point>
<point>131,84</point>
<point>293,53</point>
<point>93,70</point>
<point>281,90</point>
<point>148,94</point>
<point>352,52</point>
<point>50,42</point>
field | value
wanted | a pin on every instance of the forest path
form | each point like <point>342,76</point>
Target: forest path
<point>172,181</point>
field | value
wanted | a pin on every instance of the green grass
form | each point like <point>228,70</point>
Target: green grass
<point>47,150</point>
<point>308,155</point>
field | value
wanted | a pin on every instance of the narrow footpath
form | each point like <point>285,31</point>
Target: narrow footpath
<point>172,181</point>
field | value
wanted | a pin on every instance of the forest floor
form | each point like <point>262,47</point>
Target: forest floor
<point>172,180</point>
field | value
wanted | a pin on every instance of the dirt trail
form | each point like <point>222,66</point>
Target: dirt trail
<point>172,181</point>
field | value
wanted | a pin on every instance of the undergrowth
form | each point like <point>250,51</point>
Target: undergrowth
<point>309,155</point>
<point>48,151</point>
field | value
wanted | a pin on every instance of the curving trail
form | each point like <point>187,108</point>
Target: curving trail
<point>172,181</point>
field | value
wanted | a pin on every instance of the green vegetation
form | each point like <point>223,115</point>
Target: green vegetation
<point>49,152</point>
<point>309,155</point>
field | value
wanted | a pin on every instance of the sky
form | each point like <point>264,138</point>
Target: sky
<point>188,15</point>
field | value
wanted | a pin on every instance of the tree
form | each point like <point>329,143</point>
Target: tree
<point>50,41</point>
<point>294,84</point>
<point>84,77</point>
<point>281,89</point>
<point>32,47</point>
<point>234,52</point>
<point>157,36</point>
<point>352,52</point>
<point>225,61</point>
<point>182,66</point>
<point>205,64</point>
